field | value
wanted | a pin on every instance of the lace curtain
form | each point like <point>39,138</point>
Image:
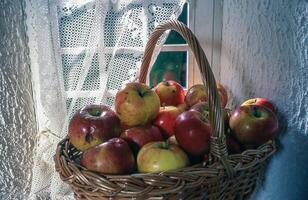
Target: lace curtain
<point>82,52</point>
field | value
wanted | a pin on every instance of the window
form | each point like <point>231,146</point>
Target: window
<point>172,62</point>
<point>176,61</point>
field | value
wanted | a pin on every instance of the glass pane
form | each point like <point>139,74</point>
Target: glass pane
<point>169,66</point>
<point>174,37</point>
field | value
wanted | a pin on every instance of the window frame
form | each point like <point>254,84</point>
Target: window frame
<point>209,14</point>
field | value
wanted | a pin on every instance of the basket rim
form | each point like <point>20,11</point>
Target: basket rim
<point>268,148</point>
<point>114,185</point>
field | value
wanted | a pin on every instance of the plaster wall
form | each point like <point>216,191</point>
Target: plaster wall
<point>265,54</point>
<point>17,121</point>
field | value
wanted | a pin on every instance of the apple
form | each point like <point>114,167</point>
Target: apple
<point>139,136</point>
<point>227,114</point>
<point>166,118</point>
<point>233,146</point>
<point>161,156</point>
<point>92,125</point>
<point>136,104</point>
<point>193,132</point>
<point>182,107</point>
<point>253,124</point>
<point>203,108</point>
<point>125,127</point>
<point>197,93</point>
<point>222,92</point>
<point>206,159</point>
<point>261,102</point>
<point>111,157</point>
<point>192,159</point>
<point>170,93</point>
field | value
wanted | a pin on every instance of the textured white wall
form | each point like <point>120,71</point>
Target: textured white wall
<point>265,53</point>
<point>17,121</point>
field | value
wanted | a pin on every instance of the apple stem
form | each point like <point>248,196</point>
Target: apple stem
<point>165,145</point>
<point>88,137</point>
<point>141,94</point>
<point>256,112</point>
<point>167,83</point>
<point>95,112</point>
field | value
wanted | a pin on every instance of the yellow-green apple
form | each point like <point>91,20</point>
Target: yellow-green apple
<point>192,158</point>
<point>253,124</point>
<point>193,132</point>
<point>111,157</point>
<point>92,125</point>
<point>161,156</point>
<point>261,102</point>
<point>170,93</point>
<point>138,136</point>
<point>136,104</point>
<point>197,93</point>
<point>166,118</point>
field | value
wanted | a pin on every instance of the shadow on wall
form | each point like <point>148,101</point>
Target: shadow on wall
<point>264,48</point>
<point>285,176</point>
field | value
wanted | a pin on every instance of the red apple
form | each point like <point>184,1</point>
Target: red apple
<point>203,108</point>
<point>136,104</point>
<point>193,132</point>
<point>253,124</point>
<point>139,136</point>
<point>197,93</point>
<point>261,102</point>
<point>92,125</point>
<point>206,159</point>
<point>161,156</point>
<point>170,93</point>
<point>233,146</point>
<point>166,118</point>
<point>222,92</point>
<point>125,127</point>
<point>111,157</point>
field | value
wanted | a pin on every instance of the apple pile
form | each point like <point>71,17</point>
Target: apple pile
<point>161,129</point>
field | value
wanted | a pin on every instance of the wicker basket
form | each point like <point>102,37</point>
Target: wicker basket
<point>225,177</point>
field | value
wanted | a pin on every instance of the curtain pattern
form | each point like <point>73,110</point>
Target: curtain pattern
<point>82,52</point>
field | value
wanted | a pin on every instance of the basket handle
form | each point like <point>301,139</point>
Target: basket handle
<point>218,141</point>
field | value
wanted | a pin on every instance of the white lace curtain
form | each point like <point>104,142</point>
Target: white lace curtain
<point>82,51</point>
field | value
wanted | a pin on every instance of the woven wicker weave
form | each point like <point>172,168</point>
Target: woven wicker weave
<point>225,177</point>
